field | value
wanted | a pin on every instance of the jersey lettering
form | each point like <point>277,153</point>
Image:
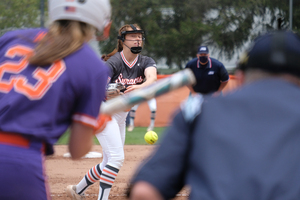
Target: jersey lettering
<point>126,81</point>
<point>45,78</point>
<point>13,67</point>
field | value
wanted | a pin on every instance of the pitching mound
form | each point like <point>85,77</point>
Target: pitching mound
<point>62,171</point>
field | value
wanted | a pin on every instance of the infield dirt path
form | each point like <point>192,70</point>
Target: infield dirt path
<point>63,171</point>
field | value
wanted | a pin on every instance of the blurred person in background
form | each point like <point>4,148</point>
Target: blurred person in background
<point>244,145</point>
<point>211,75</point>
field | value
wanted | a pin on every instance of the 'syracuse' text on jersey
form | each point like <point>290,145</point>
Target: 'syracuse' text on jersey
<point>129,73</point>
<point>42,101</point>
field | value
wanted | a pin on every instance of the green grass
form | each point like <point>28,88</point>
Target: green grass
<point>136,137</point>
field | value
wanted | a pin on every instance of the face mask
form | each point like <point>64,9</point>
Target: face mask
<point>136,50</point>
<point>203,59</point>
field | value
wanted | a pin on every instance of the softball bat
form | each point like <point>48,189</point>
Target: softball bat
<point>123,102</point>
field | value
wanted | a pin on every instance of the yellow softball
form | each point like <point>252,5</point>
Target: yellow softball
<point>151,137</point>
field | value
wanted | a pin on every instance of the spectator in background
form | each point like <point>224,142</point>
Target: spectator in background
<point>211,75</point>
<point>244,145</point>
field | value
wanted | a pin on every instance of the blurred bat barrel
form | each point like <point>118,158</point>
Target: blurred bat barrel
<point>123,102</point>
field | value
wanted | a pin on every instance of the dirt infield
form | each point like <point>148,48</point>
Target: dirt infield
<point>64,171</point>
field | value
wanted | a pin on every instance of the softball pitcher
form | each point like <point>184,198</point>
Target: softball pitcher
<point>45,77</point>
<point>134,71</point>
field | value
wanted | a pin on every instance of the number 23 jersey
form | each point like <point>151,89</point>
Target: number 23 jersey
<point>42,101</point>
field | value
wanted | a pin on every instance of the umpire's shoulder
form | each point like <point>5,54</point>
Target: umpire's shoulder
<point>191,108</point>
<point>192,63</point>
<point>216,62</point>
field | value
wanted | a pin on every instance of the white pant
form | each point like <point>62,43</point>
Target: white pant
<point>112,140</point>
<point>151,104</point>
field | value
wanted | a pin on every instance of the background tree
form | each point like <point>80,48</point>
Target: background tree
<point>19,14</point>
<point>175,28</point>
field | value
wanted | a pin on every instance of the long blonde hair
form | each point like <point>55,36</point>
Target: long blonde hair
<point>63,38</point>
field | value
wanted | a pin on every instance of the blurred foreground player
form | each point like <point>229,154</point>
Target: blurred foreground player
<point>253,151</point>
<point>50,79</point>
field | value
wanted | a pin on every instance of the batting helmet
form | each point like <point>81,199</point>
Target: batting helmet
<point>277,52</point>
<point>94,12</point>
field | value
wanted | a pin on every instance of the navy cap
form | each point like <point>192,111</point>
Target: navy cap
<point>203,49</point>
<point>277,52</point>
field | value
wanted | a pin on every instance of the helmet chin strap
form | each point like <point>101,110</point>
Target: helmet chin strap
<point>134,50</point>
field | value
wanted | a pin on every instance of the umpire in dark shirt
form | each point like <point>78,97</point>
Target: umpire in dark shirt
<point>242,146</point>
<point>211,75</point>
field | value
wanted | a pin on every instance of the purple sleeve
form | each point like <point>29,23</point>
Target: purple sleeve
<point>90,97</point>
<point>3,39</point>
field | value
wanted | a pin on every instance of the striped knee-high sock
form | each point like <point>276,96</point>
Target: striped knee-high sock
<point>153,115</point>
<point>132,116</point>
<point>90,178</point>
<point>107,179</point>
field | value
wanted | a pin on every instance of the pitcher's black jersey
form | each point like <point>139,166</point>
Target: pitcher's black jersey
<point>128,73</point>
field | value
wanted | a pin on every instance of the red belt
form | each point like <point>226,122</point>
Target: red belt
<point>14,139</point>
